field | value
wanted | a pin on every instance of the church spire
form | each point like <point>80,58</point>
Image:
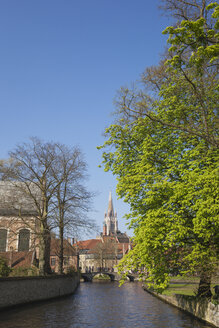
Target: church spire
<point>110,219</point>
<point>110,212</point>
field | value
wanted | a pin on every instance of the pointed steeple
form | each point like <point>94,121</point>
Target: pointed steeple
<point>110,225</point>
<point>110,212</point>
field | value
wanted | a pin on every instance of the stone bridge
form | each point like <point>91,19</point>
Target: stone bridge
<point>88,276</point>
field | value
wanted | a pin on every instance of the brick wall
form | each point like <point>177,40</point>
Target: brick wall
<point>19,290</point>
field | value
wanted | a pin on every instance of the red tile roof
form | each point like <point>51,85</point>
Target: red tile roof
<point>88,244</point>
<point>68,248</point>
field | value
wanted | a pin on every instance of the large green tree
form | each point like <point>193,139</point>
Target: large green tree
<point>165,156</point>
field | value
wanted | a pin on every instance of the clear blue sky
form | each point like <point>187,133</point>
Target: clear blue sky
<point>61,63</point>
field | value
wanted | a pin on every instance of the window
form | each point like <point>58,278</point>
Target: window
<point>24,240</point>
<point>66,260</point>
<point>53,261</point>
<point>3,240</point>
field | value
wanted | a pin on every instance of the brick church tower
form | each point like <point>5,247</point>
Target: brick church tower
<point>110,225</point>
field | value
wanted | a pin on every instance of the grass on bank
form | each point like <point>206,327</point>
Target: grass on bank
<point>101,276</point>
<point>186,286</point>
<point>184,289</point>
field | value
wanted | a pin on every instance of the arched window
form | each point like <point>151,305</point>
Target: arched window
<point>24,240</point>
<point>3,240</point>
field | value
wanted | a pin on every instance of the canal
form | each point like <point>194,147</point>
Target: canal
<point>100,305</point>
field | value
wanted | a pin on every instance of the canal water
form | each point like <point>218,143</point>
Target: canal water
<point>100,305</point>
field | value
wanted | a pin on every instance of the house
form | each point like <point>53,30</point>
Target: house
<point>70,261</point>
<point>87,254</point>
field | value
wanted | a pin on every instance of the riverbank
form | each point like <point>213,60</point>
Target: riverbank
<point>21,290</point>
<point>200,308</point>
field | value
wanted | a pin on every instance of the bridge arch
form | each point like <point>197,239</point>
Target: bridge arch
<point>88,276</point>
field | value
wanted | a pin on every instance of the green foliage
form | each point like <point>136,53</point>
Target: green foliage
<point>24,272</point>
<point>163,151</point>
<point>4,269</point>
<point>71,271</point>
<point>195,38</point>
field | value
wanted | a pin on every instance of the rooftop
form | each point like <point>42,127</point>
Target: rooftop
<point>68,249</point>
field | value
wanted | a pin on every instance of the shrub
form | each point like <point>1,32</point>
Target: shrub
<point>71,271</point>
<point>4,269</point>
<point>24,272</point>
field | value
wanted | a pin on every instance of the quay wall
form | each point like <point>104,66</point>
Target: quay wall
<point>21,290</point>
<point>198,307</point>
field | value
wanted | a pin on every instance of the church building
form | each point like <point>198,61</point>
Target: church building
<point>20,231</point>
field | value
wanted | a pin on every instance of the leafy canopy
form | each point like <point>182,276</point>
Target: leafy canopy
<point>163,151</point>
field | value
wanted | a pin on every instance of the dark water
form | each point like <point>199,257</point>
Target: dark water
<point>100,305</point>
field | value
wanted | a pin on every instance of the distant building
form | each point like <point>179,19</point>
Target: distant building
<point>87,251</point>
<point>104,252</point>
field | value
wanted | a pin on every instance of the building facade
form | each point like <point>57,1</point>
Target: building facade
<point>70,256</point>
<point>19,226</point>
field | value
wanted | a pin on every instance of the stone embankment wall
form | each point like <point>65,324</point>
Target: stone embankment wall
<point>20,290</point>
<point>200,308</point>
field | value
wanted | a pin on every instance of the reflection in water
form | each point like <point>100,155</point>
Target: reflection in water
<point>100,305</point>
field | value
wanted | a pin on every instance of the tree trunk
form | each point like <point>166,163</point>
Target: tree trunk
<point>45,237</point>
<point>61,257</point>
<point>47,253</point>
<point>204,289</point>
<point>44,250</point>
